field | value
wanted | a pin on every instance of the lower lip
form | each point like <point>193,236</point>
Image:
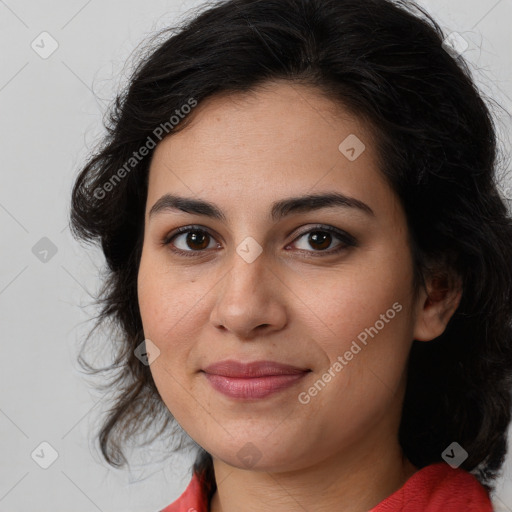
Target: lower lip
<point>256,387</point>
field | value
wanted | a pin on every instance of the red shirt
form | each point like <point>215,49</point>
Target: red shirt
<point>435,488</point>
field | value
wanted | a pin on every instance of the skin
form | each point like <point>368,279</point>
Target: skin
<point>340,451</point>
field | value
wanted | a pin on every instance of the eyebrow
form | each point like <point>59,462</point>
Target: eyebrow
<point>280,209</point>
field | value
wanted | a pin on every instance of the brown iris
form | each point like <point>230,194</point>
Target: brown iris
<point>197,240</point>
<point>322,239</point>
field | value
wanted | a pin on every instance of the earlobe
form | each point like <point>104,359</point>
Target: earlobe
<point>435,308</point>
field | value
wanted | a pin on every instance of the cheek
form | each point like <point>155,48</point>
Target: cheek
<point>344,304</point>
<point>167,301</point>
<point>173,315</point>
<point>161,309</point>
<point>363,320</point>
<point>365,335</point>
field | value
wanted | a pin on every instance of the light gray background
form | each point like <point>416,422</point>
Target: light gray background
<point>50,117</point>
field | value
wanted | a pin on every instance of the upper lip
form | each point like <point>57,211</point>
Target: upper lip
<point>232,368</point>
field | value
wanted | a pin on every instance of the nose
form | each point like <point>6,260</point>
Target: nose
<point>250,300</point>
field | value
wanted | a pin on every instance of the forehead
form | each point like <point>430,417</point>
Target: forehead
<point>280,139</point>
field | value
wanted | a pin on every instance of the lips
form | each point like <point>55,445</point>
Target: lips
<point>237,369</point>
<point>251,381</point>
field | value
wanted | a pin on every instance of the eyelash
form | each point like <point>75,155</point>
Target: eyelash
<point>346,239</point>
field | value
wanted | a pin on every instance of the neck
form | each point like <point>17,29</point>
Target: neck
<point>342,482</point>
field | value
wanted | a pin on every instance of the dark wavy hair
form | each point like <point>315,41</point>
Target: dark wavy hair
<point>437,146</point>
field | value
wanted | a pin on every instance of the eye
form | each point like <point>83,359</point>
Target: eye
<point>189,239</point>
<point>321,239</point>
<point>193,240</point>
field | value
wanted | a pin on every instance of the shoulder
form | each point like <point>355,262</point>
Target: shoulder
<point>438,487</point>
<point>193,498</point>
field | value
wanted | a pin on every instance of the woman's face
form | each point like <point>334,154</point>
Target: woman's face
<point>263,282</point>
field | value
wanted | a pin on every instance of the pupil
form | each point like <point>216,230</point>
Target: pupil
<point>320,237</point>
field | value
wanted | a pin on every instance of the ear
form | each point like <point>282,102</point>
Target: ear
<point>435,306</point>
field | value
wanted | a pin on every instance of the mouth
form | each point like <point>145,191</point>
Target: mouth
<point>254,380</point>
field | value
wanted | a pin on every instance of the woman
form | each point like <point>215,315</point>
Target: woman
<point>309,260</point>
